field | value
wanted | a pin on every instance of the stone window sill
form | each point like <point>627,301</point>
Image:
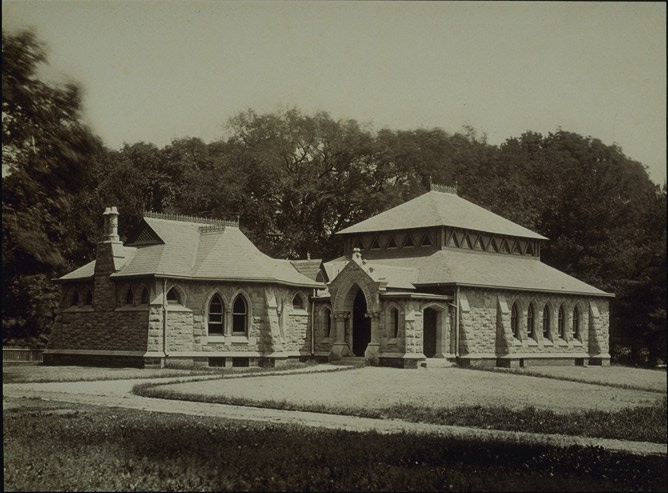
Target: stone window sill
<point>577,343</point>
<point>129,308</point>
<point>547,342</point>
<point>516,342</point>
<point>178,308</point>
<point>300,312</point>
<point>532,342</point>
<point>239,339</point>
<point>215,339</point>
<point>561,342</point>
<point>393,340</point>
<point>87,308</point>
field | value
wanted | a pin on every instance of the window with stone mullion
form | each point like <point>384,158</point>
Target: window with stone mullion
<point>576,324</point>
<point>561,323</point>
<point>216,316</point>
<point>239,316</point>
<point>546,322</point>
<point>530,322</point>
<point>514,321</point>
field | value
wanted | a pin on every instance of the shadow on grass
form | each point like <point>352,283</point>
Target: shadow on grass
<point>126,450</point>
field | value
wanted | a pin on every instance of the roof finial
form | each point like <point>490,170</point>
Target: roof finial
<point>435,187</point>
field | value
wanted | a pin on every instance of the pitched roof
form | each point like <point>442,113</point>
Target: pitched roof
<point>441,209</point>
<point>397,277</point>
<point>203,251</point>
<point>308,268</point>
<point>84,272</point>
<point>122,255</point>
<point>467,268</point>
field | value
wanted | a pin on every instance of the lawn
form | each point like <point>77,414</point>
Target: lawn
<point>53,447</point>
<point>448,396</point>
<point>379,388</point>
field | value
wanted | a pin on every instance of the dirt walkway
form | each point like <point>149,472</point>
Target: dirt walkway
<point>117,394</point>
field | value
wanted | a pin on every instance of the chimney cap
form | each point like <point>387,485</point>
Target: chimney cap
<point>110,210</point>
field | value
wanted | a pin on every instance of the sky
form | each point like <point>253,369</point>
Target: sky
<point>155,71</point>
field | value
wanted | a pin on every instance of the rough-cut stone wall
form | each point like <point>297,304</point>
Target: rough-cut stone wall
<point>599,328</point>
<point>106,325</point>
<point>111,324</point>
<point>485,323</point>
<point>389,343</point>
<point>123,330</point>
<point>413,327</point>
<point>273,324</point>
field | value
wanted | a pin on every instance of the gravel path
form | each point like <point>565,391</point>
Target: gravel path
<point>18,395</point>
<point>376,387</point>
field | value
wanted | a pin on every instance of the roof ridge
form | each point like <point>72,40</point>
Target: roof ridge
<point>437,187</point>
<point>191,219</point>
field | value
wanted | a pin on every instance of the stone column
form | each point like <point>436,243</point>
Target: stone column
<point>228,322</point>
<point>372,352</point>
<point>340,348</point>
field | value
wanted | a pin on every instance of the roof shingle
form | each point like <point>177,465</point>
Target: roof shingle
<point>187,252</point>
<point>468,268</point>
<point>441,209</point>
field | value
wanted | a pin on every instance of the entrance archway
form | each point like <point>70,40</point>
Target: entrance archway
<point>361,324</point>
<point>429,331</point>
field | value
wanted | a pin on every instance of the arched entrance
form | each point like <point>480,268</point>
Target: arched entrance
<point>429,331</point>
<point>361,324</point>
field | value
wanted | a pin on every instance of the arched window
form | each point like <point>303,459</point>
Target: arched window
<point>530,322</point>
<point>298,302</point>
<point>89,297</point>
<point>327,322</point>
<point>239,316</point>
<point>514,322</point>
<point>576,323</point>
<point>173,297</point>
<point>75,298</point>
<point>561,322</point>
<point>546,322</point>
<point>129,297</point>
<point>144,296</point>
<point>394,322</point>
<point>216,314</point>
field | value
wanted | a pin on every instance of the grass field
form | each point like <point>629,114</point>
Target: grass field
<point>53,447</point>
<point>50,446</point>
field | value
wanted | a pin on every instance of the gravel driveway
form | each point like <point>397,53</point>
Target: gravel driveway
<point>374,387</point>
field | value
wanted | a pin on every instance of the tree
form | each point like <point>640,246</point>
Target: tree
<point>45,149</point>
<point>303,178</point>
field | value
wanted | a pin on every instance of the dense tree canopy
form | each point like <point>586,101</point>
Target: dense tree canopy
<point>45,150</point>
<point>294,180</point>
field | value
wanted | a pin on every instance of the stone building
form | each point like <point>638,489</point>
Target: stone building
<point>184,291</point>
<point>439,277</point>
<point>436,280</point>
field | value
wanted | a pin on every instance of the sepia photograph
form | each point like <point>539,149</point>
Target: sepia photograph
<point>277,245</point>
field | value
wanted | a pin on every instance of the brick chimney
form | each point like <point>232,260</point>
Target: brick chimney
<point>109,257</point>
<point>111,224</point>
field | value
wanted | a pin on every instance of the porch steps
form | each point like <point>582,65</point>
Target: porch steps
<point>350,361</point>
<point>437,363</point>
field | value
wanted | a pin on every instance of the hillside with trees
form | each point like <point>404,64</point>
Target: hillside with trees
<point>295,179</point>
